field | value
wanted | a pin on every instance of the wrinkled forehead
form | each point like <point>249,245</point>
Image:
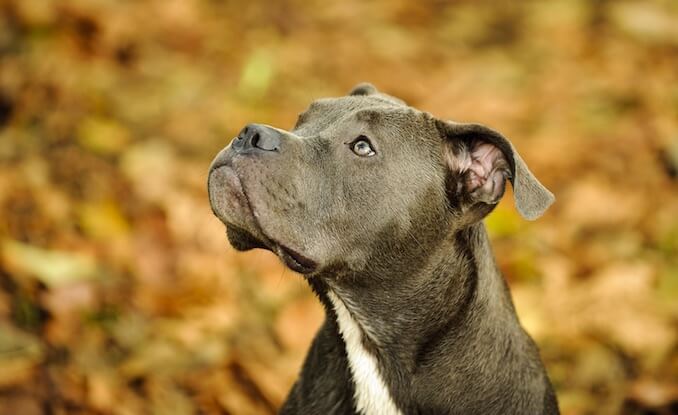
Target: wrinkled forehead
<point>326,113</point>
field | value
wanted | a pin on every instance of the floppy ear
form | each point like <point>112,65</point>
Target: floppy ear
<point>364,88</point>
<point>483,160</point>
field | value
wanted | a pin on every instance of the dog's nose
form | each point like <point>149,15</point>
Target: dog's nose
<point>257,137</point>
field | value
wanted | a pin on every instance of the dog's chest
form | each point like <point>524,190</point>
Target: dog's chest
<point>372,396</point>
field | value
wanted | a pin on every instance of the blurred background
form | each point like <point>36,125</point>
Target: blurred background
<point>119,293</point>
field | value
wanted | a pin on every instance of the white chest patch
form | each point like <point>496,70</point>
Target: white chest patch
<point>371,394</point>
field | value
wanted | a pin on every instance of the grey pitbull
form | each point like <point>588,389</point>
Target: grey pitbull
<point>380,207</point>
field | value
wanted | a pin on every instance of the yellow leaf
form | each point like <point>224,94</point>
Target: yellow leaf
<point>54,268</point>
<point>103,220</point>
<point>103,136</point>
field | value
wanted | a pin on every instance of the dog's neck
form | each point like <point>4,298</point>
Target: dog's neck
<point>414,301</point>
<point>403,318</point>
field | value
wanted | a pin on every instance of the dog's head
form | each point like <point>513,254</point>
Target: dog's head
<point>362,175</point>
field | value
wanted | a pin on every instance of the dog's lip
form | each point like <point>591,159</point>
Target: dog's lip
<point>234,184</point>
<point>238,188</point>
<point>296,261</point>
<point>220,164</point>
<point>292,258</point>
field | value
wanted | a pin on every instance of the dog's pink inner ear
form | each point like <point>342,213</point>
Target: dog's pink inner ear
<point>483,170</point>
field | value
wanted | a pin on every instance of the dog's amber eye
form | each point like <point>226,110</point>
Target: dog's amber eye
<point>362,147</point>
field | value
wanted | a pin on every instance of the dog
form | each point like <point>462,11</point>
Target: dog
<point>379,206</point>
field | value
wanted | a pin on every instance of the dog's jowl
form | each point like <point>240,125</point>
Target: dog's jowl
<point>379,206</point>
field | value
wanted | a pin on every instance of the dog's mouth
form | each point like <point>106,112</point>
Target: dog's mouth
<point>296,261</point>
<point>243,239</point>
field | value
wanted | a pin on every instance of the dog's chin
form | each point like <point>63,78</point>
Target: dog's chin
<point>243,240</point>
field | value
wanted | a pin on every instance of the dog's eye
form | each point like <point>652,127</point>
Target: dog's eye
<point>362,147</point>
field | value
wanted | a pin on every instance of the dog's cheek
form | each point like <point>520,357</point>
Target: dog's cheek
<point>357,260</point>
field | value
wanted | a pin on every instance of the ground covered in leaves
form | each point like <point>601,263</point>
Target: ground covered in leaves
<point>118,291</point>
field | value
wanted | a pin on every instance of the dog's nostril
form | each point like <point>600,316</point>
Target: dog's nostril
<point>255,139</point>
<point>255,136</point>
<point>243,133</point>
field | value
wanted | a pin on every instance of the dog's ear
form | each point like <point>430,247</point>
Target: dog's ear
<point>481,160</point>
<point>364,88</point>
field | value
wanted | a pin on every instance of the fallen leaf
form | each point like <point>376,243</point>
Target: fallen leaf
<point>54,268</point>
<point>20,353</point>
<point>103,136</point>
